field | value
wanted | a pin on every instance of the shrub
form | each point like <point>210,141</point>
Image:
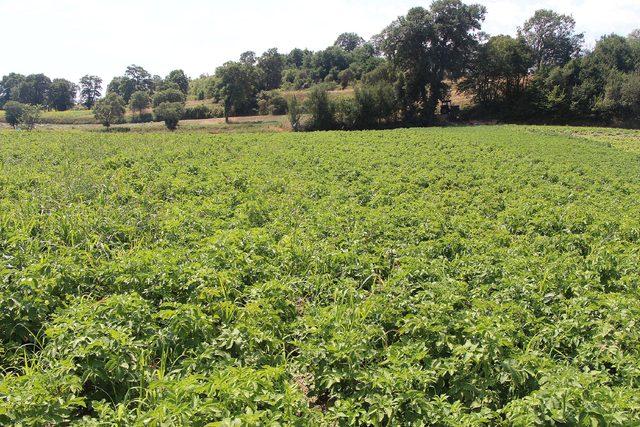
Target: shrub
<point>140,101</point>
<point>345,77</point>
<point>169,95</point>
<point>295,113</point>
<point>320,109</point>
<point>116,130</point>
<point>367,106</point>
<point>630,94</point>
<point>328,85</point>
<point>30,117</point>
<point>142,118</point>
<point>12,112</point>
<point>217,111</point>
<point>295,79</point>
<point>347,114</point>
<point>278,105</point>
<point>170,113</point>
<point>271,102</point>
<point>110,109</point>
<point>376,104</point>
<point>197,112</point>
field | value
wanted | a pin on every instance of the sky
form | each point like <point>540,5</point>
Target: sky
<point>71,38</point>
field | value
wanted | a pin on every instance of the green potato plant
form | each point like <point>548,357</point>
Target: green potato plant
<point>457,276</point>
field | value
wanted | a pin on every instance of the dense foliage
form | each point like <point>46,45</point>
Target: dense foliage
<point>464,276</point>
<point>428,46</point>
<point>170,113</point>
<point>110,109</point>
<point>20,115</point>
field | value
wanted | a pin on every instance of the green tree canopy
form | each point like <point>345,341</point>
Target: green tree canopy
<point>271,64</point>
<point>170,113</point>
<point>90,90</point>
<point>12,112</point>
<point>110,109</point>
<point>62,95</point>
<point>141,78</point>
<point>33,89</point>
<point>349,41</point>
<point>139,101</point>
<point>248,58</point>
<point>428,46</point>
<point>135,78</point>
<point>499,71</point>
<point>552,38</point>
<point>179,78</point>
<point>169,95</point>
<point>122,86</point>
<point>329,62</point>
<point>9,87</point>
<point>237,87</point>
<point>297,57</point>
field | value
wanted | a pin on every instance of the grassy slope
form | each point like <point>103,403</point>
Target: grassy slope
<point>236,125</point>
<point>75,117</point>
<point>467,276</point>
<point>85,117</point>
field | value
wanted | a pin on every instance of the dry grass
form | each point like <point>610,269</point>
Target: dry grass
<point>236,125</point>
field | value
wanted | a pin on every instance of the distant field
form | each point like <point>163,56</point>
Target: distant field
<point>236,125</point>
<point>72,117</point>
<point>465,276</point>
<point>333,94</point>
<point>84,117</point>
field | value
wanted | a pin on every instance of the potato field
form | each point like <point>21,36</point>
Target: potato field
<point>465,276</point>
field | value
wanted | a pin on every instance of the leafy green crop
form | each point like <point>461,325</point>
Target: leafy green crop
<point>465,276</point>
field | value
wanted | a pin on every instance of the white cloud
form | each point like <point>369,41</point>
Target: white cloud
<point>70,38</point>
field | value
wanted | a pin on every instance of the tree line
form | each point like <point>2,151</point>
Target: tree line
<point>57,94</point>
<point>401,76</point>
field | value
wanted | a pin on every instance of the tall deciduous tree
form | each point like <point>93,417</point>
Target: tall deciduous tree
<point>12,112</point>
<point>122,86</point>
<point>139,101</point>
<point>428,46</point>
<point>329,62</point>
<point>33,89</point>
<point>498,72</point>
<point>236,84</point>
<point>296,58</point>
<point>62,95</point>
<point>9,87</point>
<point>180,79</point>
<point>248,58</point>
<point>143,80</point>
<point>135,79</point>
<point>271,64</point>
<point>349,41</point>
<point>110,109</point>
<point>552,38</point>
<point>90,90</point>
